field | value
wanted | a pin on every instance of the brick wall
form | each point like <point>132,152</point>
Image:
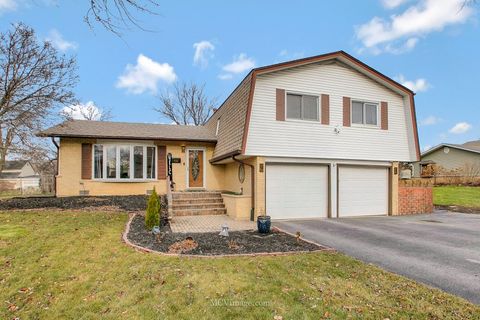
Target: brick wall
<point>414,200</point>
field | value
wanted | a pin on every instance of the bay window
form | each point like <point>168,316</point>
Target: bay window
<point>124,162</point>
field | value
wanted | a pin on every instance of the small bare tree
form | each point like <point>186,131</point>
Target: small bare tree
<point>34,80</point>
<point>115,15</point>
<point>88,111</point>
<point>187,105</point>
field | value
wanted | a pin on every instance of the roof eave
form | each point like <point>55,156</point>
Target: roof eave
<point>60,135</point>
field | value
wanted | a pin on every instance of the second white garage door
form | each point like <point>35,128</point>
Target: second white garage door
<point>296,191</point>
<point>362,191</point>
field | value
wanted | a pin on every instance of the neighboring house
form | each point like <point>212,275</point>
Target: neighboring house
<point>19,175</point>
<point>323,135</point>
<point>453,159</point>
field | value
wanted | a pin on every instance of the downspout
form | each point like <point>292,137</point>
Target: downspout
<point>56,165</point>
<point>252,179</point>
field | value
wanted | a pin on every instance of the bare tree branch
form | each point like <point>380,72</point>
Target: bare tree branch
<point>34,80</point>
<point>117,15</point>
<point>188,105</point>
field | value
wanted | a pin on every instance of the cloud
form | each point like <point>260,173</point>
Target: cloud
<point>7,5</point>
<point>203,52</point>
<point>418,85</point>
<point>426,147</point>
<point>225,76</point>
<point>390,4</point>
<point>286,55</point>
<point>400,33</point>
<point>87,111</point>
<point>145,75</point>
<point>430,121</point>
<point>57,40</point>
<point>460,128</point>
<point>240,63</point>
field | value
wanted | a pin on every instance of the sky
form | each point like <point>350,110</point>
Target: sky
<point>431,46</point>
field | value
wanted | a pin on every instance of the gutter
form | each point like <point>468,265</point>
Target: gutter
<point>56,165</point>
<point>252,170</point>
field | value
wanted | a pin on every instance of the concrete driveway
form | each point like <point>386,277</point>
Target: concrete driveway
<point>440,249</point>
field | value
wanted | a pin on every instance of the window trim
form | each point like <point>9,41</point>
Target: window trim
<point>298,93</point>
<point>131,171</point>
<point>364,124</point>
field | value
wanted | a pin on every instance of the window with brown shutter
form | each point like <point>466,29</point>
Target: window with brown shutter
<point>325,109</point>
<point>162,162</point>
<point>86,161</point>
<point>280,104</point>
<point>384,115</point>
<point>346,112</point>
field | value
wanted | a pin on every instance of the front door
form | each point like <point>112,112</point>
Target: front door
<point>195,168</point>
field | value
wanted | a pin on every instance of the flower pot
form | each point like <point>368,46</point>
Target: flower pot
<point>263,224</point>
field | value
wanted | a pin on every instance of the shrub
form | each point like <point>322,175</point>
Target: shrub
<point>152,217</point>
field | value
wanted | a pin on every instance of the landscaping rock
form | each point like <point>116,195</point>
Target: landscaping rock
<point>211,243</point>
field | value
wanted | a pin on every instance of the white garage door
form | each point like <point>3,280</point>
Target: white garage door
<point>296,191</point>
<point>362,191</point>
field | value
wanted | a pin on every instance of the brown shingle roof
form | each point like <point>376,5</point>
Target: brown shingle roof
<point>474,145</point>
<point>126,130</point>
<point>232,114</point>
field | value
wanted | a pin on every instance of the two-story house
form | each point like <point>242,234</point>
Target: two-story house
<point>315,137</point>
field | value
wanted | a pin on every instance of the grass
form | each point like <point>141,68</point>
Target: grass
<point>74,265</point>
<point>457,196</point>
<point>7,194</point>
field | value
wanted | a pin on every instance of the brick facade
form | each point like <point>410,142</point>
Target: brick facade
<point>414,200</point>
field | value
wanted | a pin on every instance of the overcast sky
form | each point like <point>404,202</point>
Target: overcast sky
<point>431,46</point>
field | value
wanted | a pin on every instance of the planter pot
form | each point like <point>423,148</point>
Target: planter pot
<point>263,224</point>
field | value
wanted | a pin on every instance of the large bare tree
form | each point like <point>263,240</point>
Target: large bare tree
<point>34,80</point>
<point>115,15</point>
<point>186,105</point>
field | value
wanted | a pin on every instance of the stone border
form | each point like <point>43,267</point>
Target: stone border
<point>259,254</point>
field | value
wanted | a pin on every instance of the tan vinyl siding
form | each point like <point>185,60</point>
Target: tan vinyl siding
<point>232,116</point>
<point>268,137</point>
<point>454,159</point>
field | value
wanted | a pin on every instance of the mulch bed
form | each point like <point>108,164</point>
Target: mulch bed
<point>212,244</point>
<point>124,203</point>
<point>458,209</point>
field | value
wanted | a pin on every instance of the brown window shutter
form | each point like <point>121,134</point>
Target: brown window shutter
<point>162,162</point>
<point>384,115</point>
<point>325,109</point>
<point>87,161</point>
<point>346,111</point>
<point>280,102</point>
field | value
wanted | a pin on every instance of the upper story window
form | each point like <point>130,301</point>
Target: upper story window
<point>364,113</point>
<point>302,107</point>
<point>124,162</point>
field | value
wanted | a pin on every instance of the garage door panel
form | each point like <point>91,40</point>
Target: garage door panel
<point>362,191</point>
<point>296,191</point>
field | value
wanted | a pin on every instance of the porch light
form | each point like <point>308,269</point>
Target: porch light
<point>183,149</point>
<point>224,231</point>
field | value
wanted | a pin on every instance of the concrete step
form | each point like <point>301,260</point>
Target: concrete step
<point>198,200</point>
<point>196,195</point>
<point>199,212</point>
<point>176,206</point>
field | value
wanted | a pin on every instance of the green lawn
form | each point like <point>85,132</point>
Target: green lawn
<point>73,265</point>
<point>457,196</point>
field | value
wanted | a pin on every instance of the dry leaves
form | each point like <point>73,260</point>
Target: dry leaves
<point>183,246</point>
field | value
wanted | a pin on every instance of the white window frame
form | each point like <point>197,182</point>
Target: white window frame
<point>117,145</point>
<point>364,124</point>
<point>296,93</point>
